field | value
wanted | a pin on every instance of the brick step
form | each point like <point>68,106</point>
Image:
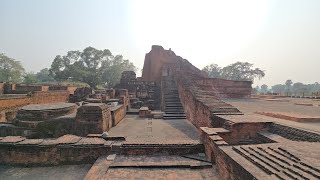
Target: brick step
<point>172,97</point>
<point>173,103</point>
<point>267,159</point>
<point>151,161</point>
<point>172,100</point>
<point>174,116</point>
<point>176,106</point>
<point>168,149</point>
<point>173,108</point>
<point>175,112</point>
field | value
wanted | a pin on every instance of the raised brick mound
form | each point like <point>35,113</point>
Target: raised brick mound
<point>31,115</point>
<point>291,116</point>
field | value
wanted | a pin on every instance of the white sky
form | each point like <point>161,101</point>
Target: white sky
<point>279,36</point>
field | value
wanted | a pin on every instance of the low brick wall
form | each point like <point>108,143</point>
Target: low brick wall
<point>117,114</point>
<point>22,89</point>
<point>53,152</point>
<point>227,88</point>
<point>14,102</point>
<point>71,89</point>
<point>40,97</point>
<point>245,132</point>
<point>11,103</point>
<point>225,165</point>
<point>1,88</point>
<point>197,112</point>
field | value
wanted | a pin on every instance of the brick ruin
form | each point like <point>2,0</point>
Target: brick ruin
<point>173,118</point>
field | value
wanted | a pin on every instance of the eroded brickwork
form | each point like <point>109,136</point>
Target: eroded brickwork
<point>93,118</point>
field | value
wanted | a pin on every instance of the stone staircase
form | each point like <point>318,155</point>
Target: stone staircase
<point>193,166</point>
<point>173,108</point>
<point>294,134</point>
<point>278,162</point>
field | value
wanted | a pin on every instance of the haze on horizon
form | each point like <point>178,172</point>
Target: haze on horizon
<point>280,37</point>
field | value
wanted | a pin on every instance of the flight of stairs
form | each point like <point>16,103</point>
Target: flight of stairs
<point>173,107</point>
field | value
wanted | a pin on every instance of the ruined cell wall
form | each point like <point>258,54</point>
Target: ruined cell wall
<point>226,88</point>
<point>1,88</point>
<point>117,114</point>
<point>9,104</point>
<point>199,94</point>
<point>65,150</point>
<point>71,89</point>
<point>154,60</point>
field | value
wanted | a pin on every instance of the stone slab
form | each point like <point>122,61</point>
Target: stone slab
<point>221,143</point>
<point>215,138</point>
<point>50,106</point>
<point>92,141</point>
<point>66,139</point>
<point>209,131</point>
<point>12,139</point>
<point>290,116</point>
<point>30,142</point>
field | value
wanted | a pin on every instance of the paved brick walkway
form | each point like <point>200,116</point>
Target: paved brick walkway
<point>250,106</point>
<point>155,131</point>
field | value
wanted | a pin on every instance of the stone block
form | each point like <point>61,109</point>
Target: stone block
<point>144,112</point>
<point>92,118</point>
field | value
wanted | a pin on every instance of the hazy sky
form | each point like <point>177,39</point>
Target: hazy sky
<point>280,36</point>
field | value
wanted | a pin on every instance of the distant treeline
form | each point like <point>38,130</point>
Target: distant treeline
<point>290,89</point>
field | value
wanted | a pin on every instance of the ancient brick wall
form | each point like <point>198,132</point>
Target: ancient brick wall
<point>40,97</point>
<point>197,113</point>
<point>93,118</point>
<point>53,152</point>
<point>20,88</point>
<point>71,89</point>
<point>244,132</point>
<point>14,102</point>
<point>226,88</point>
<point>1,88</point>
<point>117,114</point>
<point>9,104</point>
<point>154,60</point>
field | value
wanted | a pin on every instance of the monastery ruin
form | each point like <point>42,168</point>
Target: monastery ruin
<point>173,122</point>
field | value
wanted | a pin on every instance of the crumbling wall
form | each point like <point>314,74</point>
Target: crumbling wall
<point>9,104</point>
<point>226,88</point>
<point>40,97</point>
<point>1,88</point>
<point>92,118</point>
<point>117,113</point>
<point>71,89</point>
<point>64,150</point>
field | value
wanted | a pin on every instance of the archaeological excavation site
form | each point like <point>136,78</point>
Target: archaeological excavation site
<point>173,122</point>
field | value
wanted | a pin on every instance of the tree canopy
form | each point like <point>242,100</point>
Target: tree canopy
<point>10,69</point>
<point>30,78</point>
<point>237,71</point>
<point>91,66</point>
<point>44,75</point>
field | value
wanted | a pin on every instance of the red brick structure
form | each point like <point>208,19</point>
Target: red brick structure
<point>93,118</point>
<point>11,103</point>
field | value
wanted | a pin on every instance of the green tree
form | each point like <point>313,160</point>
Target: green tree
<point>243,71</point>
<point>298,88</point>
<point>30,78</point>
<point>10,69</point>
<point>213,70</point>
<point>239,71</point>
<point>91,66</point>
<point>44,75</point>
<point>288,84</point>
<point>278,88</point>
<point>112,72</point>
<point>264,88</point>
